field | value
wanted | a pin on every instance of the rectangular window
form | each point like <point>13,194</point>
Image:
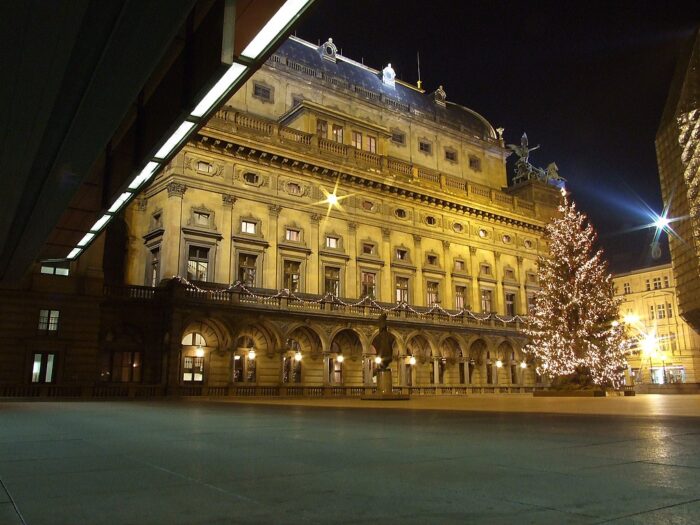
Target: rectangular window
<point>401,289</point>
<point>262,92</point>
<point>451,155</point>
<point>43,368</point>
<point>459,266</point>
<point>197,263</point>
<point>486,301</point>
<point>530,303</point>
<point>431,295</point>
<point>248,227</point>
<point>322,128</point>
<point>425,147</point>
<point>192,369</point>
<point>369,284</point>
<point>338,133</point>
<point>291,370</point>
<point>651,312</point>
<point>126,367</point>
<point>669,310</point>
<point>401,254</point>
<point>292,275</point>
<point>332,242</point>
<point>48,320</point>
<point>397,137</point>
<point>432,260</point>
<point>357,139</point>
<point>368,249</point>
<point>648,285</point>
<point>474,163</point>
<point>292,235</point>
<point>155,267</point>
<point>238,369</point>
<point>666,281</point>
<point>247,265</point>
<point>657,283</point>
<point>510,304</point>
<point>332,281</point>
<point>54,269</point>
<point>627,288</point>
<point>460,294</point>
<point>372,144</point>
<point>485,269</point>
<point>509,274</point>
<point>660,311</point>
<point>335,371</point>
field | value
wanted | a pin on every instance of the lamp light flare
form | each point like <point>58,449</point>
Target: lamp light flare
<point>297,356</point>
<point>499,363</point>
<point>199,352</point>
<point>332,199</point>
<point>412,361</point>
<point>523,365</point>
<point>378,360</point>
<point>662,222</point>
<point>251,355</point>
<point>340,358</point>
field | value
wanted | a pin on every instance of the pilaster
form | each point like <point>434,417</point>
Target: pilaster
<point>271,273</point>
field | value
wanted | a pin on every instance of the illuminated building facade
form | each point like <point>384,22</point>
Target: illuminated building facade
<point>323,194</point>
<point>667,349</point>
<point>678,156</point>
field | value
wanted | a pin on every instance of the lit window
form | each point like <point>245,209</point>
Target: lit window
<point>204,167</point>
<point>251,178</point>
<point>451,155</point>
<point>369,284</point>
<point>335,371</point>
<point>293,235</point>
<point>660,311</point>
<point>657,283</point>
<point>483,233</point>
<point>201,218</point>
<point>425,147</point>
<point>322,128</point>
<point>192,369</point>
<point>357,139</point>
<point>510,303</point>
<point>372,144</point>
<point>44,368</point>
<point>292,275</point>
<point>54,269</point>
<point>485,269</point>
<point>248,227</point>
<point>401,289</point>
<point>627,288</point>
<point>48,320</point>
<point>486,301</point>
<point>459,265</point>
<point>197,263</point>
<point>332,281</point>
<point>368,249</point>
<point>507,239</point>
<point>293,188</point>
<point>338,133</point>
<point>432,296</point>
<point>262,92</point>
<point>332,242</point>
<point>247,264</point>
<point>401,254</point>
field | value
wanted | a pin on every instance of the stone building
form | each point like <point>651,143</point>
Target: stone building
<point>323,194</point>
<point>667,349</point>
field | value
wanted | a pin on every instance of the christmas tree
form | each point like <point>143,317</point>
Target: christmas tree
<point>576,338</point>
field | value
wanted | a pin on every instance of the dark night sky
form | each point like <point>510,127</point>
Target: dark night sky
<point>586,80</point>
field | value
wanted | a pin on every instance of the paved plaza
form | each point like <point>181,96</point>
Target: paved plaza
<point>202,462</point>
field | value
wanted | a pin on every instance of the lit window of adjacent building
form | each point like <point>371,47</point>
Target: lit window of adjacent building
<point>332,242</point>
<point>48,320</point>
<point>648,285</point>
<point>126,367</point>
<point>666,281</point>
<point>332,281</point>
<point>669,310</point>
<point>368,248</point>
<point>425,147</point>
<point>651,312</point>
<point>155,267</point>
<point>627,288</point>
<point>357,139</point>
<point>44,368</point>
<point>460,294</point>
<point>292,275</point>
<point>432,296</point>
<point>657,283</point>
<point>292,235</point>
<point>54,269</point>
<point>660,311</point>
<point>371,144</point>
<point>369,284</point>
<point>401,289</point>
<point>486,301</point>
<point>248,227</point>
<point>322,128</point>
<point>197,263</point>
<point>338,133</point>
<point>401,254</point>
<point>510,303</point>
<point>247,265</point>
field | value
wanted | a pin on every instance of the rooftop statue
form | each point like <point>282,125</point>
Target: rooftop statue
<point>525,171</point>
<point>389,75</point>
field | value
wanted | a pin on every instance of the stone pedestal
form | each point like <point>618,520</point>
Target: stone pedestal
<point>385,388</point>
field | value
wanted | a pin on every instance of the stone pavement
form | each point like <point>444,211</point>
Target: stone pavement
<point>193,462</point>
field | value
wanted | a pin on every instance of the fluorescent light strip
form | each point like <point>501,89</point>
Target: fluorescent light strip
<point>274,27</point>
<point>121,200</point>
<point>100,223</point>
<point>174,139</point>
<point>232,74</point>
<point>74,253</point>
<point>86,239</point>
<point>146,173</point>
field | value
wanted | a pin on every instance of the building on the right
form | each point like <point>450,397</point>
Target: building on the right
<point>678,157</point>
<point>666,349</point>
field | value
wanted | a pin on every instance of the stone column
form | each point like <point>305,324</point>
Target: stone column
<point>419,297</point>
<point>387,292</point>
<point>448,294</point>
<point>224,272</point>
<point>313,263</point>
<point>474,270</point>
<point>270,275</point>
<point>522,294</point>
<point>352,289</point>
<point>172,235</point>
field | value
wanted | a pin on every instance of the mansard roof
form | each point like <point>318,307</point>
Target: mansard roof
<point>346,73</point>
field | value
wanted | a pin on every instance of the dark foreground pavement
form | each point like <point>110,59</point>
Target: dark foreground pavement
<point>210,463</point>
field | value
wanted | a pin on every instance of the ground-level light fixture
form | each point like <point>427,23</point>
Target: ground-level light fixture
<point>499,363</point>
<point>378,360</point>
<point>297,356</point>
<point>412,361</point>
<point>251,355</point>
<point>523,364</point>
<point>340,358</point>
<point>199,352</point>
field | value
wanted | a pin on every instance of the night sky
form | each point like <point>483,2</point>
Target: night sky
<point>588,81</point>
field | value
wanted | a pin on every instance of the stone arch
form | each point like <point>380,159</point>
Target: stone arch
<point>421,344</point>
<point>309,341</point>
<point>398,345</point>
<point>478,349</point>
<point>263,339</point>
<point>210,331</point>
<point>348,342</point>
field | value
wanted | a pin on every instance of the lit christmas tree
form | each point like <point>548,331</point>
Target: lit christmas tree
<point>576,338</point>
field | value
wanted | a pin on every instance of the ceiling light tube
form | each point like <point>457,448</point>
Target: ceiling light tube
<point>121,200</point>
<point>100,223</point>
<point>209,100</point>
<point>74,253</point>
<point>146,173</point>
<point>86,239</point>
<point>274,27</point>
<point>175,139</point>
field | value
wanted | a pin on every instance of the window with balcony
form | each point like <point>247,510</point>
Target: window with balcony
<point>338,133</point>
<point>510,303</point>
<point>292,276</point>
<point>460,295</point>
<point>401,285</point>
<point>48,321</point>
<point>154,267</point>
<point>432,293</point>
<point>486,301</point>
<point>357,139</point>
<point>332,280</point>
<point>197,263</point>
<point>369,284</point>
<point>247,268</point>
<point>371,144</point>
<point>322,128</point>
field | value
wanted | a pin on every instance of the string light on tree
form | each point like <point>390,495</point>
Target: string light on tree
<point>574,337</point>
